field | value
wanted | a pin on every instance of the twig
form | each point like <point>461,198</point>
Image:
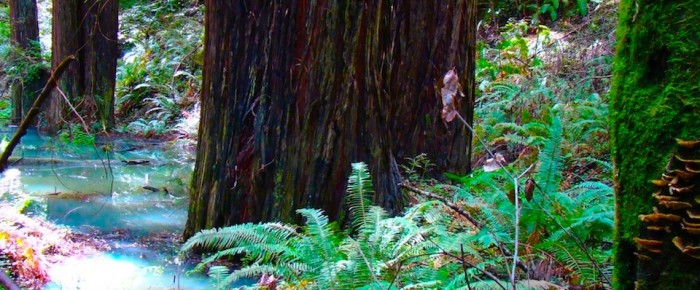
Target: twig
<point>487,273</point>
<point>517,224</point>
<point>464,266</point>
<point>454,207</point>
<point>22,129</point>
<point>65,98</point>
<point>462,213</point>
<point>483,143</point>
<point>463,261</point>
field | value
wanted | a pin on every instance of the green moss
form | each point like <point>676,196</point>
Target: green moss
<point>655,98</point>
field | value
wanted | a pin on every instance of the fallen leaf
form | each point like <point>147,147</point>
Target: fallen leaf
<point>495,163</point>
<point>449,91</point>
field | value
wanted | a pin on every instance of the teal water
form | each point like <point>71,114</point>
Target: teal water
<point>93,191</point>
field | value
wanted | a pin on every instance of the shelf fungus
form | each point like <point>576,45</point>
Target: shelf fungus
<point>675,204</point>
<point>655,218</point>
<point>676,218</point>
<point>689,144</point>
<point>660,198</point>
<point>686,249</point>
<point>653,246</point>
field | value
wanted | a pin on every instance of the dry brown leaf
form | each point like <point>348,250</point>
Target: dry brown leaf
<point>449,93</point>
<point>495,163</point>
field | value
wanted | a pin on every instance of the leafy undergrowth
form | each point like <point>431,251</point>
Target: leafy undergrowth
<point>159,76</point>
<point>30,246</point>
<point>451,239</point>
<point>541,116</point>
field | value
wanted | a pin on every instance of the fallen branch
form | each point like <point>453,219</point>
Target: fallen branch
<point>444,200</point>
<point>7,283</point>
<point>45,93</point>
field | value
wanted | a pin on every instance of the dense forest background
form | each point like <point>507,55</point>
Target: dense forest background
<point>503,144</point>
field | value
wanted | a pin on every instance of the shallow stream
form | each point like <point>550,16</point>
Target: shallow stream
<point>139,209</point>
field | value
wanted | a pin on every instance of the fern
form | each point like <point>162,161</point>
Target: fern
<point>359,194</point>
<point>217,274</point>
<point>549,175</point>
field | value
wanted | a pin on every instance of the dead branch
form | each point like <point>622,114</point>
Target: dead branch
<point>45,93</point>
<point>444,200</point>
<point>6,282</point>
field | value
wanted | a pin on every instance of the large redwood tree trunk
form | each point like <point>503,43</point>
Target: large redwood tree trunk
<point>88,30</point>
<point>294,91</point>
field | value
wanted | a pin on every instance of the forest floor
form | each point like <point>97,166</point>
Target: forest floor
<point>528,75</point>
<point>30,246</point>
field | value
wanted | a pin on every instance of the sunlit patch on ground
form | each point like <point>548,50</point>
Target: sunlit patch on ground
<point>108,271</point>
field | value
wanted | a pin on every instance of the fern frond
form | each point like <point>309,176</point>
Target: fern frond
<point>359,194</point>
<point>250,271</point>
<point>549,175</point>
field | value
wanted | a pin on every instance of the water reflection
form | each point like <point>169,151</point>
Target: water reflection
<point>93,191</point>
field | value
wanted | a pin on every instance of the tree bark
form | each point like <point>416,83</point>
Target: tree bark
<point>294,91</point>
<point>88,30</point>
<point>655,98</point>
<point>24,23</point>
<point>25,36</point>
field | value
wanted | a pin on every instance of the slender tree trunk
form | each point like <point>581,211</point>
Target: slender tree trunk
<point>24,22</point>
<point>87,29</point>
<point>294,91</point>
<point>25,36</point>
<point>655,98</point>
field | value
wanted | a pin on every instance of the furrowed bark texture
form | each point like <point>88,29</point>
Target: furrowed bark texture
<point>88,30</point>
<point>655,98</point>
<point>295,91</point>
<point>25,35</point>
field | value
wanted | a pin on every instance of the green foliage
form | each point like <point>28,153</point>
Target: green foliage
<point>402,252</point>
<point>558,122</point>
<point>571,225</point>
<point>16,65</point>
<point>25,205</point>
<point>5,110</point>
<point>159,76</point>
<point>539,10</point>
<point>5,29</point>
<point>359,195</point>
<point>75,134</point>
<point>519,97</point>
<point>218,275</point>
<point>416,167</point>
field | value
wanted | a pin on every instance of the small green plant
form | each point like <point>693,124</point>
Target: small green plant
<point>416,167</point>
<point>76,135</point>
<point>148,128</point>
<point>25,205</point>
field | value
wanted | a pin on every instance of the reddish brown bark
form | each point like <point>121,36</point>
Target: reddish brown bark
<point>88,30</point>
<point>294,91</point>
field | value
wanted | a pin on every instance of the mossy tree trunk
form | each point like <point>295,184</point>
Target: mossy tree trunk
<point>88,30</point>
<point>294,91</point>
<point>655,98</point>
<point>25,36</point>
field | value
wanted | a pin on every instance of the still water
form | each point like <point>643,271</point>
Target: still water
<point>139,209</point>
